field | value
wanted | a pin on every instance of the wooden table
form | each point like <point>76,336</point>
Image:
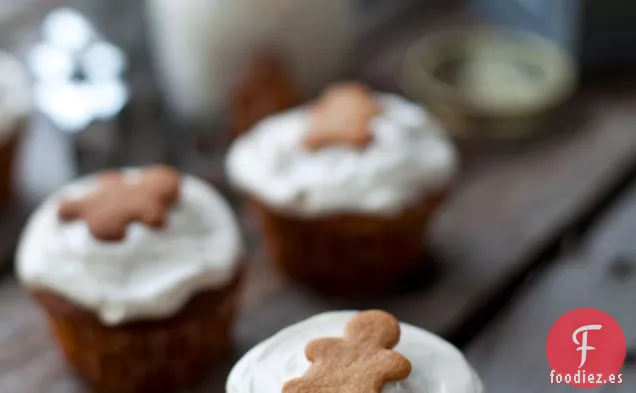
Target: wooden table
<point>532,231</point>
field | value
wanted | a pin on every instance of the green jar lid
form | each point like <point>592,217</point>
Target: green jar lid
<point>488,82</point>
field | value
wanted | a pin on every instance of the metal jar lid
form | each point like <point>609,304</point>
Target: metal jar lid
<point>485,82</point>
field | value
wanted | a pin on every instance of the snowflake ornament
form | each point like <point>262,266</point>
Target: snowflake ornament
<point>79,76</point>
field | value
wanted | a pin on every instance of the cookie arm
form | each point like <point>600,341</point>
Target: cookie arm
<point>397,366</point>
<point>321,348</point>
<point>69,210</point>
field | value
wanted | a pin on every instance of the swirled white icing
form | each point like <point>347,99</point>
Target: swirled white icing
<point>15,93</point>
<point>150,274</point>
<point>437,366</point>
<point>409,157</point>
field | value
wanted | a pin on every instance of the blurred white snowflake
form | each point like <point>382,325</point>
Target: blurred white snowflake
<point>79,76</point>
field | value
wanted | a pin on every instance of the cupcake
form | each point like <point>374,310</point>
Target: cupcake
<point>137,271</point>
<point>15,106</point>
<point>349,351</point>
<point>345,187</point>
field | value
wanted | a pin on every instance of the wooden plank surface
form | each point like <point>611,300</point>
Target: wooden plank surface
<point>510,354</point>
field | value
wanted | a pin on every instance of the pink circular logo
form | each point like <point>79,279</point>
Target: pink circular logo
<point>586,348</point>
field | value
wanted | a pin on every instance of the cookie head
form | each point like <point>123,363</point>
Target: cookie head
<point>377,327</point>
<point>342,117</point>
<point>119,200</point>
<point>362,361</point>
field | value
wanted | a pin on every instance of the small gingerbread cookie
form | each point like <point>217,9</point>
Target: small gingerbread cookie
<point>118,202</point>
<point>342,116</point>
<point>363,361</point>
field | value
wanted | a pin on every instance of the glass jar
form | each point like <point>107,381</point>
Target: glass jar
<point>205,49</point>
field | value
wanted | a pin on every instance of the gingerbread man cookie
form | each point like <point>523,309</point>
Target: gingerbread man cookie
<point>266,88</point>
<point>342,117</point>
<point>119,201</point>
<point>361,362</point>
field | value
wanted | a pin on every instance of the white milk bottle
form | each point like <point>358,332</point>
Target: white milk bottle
<point>205,49</point>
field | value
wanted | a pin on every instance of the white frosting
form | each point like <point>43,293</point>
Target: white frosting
<point>437,366</point>
<point>150,274</point>
<point>204,46</point>
<point>408,157</point>
<point>15,93</point>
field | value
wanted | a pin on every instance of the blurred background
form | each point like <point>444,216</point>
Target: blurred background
<point>119,82</point>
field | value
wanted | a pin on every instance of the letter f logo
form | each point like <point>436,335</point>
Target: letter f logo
<point>584,348</point>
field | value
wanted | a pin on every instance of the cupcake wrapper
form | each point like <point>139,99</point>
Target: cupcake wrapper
<point>156,356</point>
<point>348,254</point>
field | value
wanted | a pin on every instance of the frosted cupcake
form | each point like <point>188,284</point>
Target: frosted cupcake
<point>345,187</point>
<point>137,271</point>
<point>15,106</point>
<point>350,351</point>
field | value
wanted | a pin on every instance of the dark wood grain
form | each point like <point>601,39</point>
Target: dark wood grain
<point>601,274</point>
<point>28,361</point>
